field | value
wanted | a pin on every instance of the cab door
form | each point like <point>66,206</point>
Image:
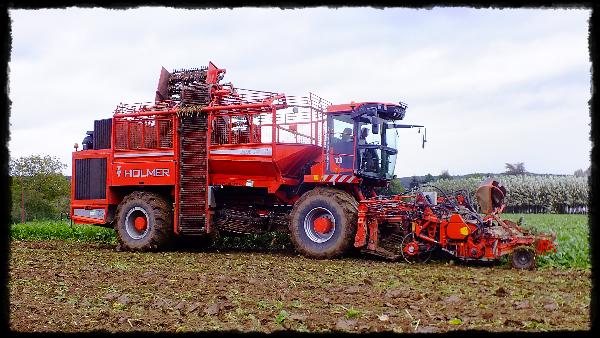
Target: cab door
<point>341,145</point>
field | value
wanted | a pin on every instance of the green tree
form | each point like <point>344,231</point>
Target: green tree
<point>38,184</point>
<point>395,187</point>
<point>428,178</point>
<point>515,168</point>
<point>445,175</point>
<point>415,182</point>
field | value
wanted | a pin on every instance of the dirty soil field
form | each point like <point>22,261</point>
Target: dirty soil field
<point>74,287</point>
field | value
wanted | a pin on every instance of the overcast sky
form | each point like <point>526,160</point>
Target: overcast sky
<point>492,86</point>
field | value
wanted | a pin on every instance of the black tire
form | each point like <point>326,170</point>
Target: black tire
<point>338,206</point>
<point>523,258</point>
<point>158,214</point>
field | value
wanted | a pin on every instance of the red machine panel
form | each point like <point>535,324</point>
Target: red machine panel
<point>456,228</point>
<point>143,173</point>
<point>259,165</point>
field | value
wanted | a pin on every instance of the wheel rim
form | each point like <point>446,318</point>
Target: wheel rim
<point>140,223</point>
<point>414,251</point>
<point>319,225</point>
<point>523,257</point>
<point>136,223</point>
<point>411,248</point>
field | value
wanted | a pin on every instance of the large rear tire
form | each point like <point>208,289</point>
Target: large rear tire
<point>323,223</point>
<point>144,222</point>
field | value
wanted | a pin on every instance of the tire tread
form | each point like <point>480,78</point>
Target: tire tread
<point>161,235</point>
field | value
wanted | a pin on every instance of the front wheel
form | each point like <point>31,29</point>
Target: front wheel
<point>323,223</point>
<point>144,222</point>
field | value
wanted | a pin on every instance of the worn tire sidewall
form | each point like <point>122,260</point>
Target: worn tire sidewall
<point>341,226</point>
<point>144,242</point>
<point>517,265</point>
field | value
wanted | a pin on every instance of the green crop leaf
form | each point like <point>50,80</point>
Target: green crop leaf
<point>281,317</point>
<point>455,321</point>
<point>352,313</point>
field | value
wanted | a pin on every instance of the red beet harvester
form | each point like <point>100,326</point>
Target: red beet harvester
<point>207,157</point>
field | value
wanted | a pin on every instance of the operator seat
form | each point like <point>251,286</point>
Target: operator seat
<point>369,160</point>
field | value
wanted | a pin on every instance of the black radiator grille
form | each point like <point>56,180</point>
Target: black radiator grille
<point>90,178</point>
<point>102,133</point>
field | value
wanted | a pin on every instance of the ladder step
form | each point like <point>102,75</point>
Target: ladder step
<point>194,208</point>
<point>192,219</point>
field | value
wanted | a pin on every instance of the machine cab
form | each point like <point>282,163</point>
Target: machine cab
<point>362,139</point>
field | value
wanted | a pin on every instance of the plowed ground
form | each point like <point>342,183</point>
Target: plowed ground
<point>70,286</point>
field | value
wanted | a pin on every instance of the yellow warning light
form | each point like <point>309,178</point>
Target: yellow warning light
<point>464,231</point>
<point>315,177</point>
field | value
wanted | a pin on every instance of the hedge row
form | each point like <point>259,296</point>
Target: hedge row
<point>532,193</point>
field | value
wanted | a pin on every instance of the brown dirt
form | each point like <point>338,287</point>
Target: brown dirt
<point>66,286</point>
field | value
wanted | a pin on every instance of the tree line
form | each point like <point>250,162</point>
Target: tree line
<point>39,190</point>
